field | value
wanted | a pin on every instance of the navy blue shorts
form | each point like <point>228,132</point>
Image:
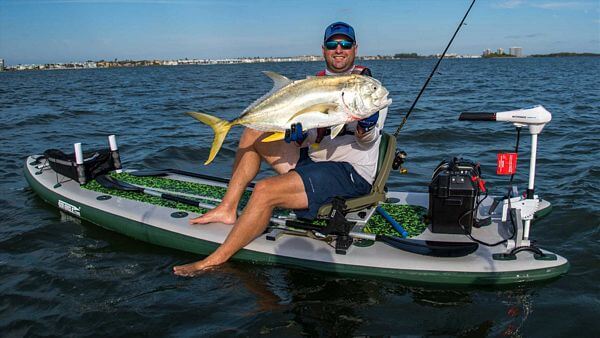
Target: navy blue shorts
<point>325,180</point>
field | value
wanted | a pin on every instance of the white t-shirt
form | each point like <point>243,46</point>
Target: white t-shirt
<point>362,154</point>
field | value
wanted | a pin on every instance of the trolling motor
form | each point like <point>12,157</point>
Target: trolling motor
<point>520,209</point>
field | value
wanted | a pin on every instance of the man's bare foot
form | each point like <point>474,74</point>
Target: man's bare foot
<point>192,269</point>
<point>220,214</point>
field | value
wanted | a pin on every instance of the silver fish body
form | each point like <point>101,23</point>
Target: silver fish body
<point>315,102</point>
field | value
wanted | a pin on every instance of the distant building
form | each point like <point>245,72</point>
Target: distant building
<point>500,51</point>
<point>487,52</point>
<point>516,51</point>
<point>1,65</point>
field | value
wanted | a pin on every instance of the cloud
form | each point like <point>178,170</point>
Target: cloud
<point>561,5</point>
<point>534,35</point>
<point>509,4</point>
<point>550,5</point>
<point>106,2</point>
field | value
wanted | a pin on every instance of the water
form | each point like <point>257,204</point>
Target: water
<point>61,276</point>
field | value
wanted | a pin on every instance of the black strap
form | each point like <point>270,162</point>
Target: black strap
<point>366,72</point>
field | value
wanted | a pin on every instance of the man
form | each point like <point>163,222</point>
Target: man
<point>308,176</point>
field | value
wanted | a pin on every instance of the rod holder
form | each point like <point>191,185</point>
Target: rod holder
<point>114,153</point>
<point>112,142</point>
<point>79,163</point>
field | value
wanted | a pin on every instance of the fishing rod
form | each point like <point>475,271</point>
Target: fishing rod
<point>432,72</point>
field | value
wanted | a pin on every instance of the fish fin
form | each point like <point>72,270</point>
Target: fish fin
<point>336,130</point>
<point>276,136</point>
<point>279,81</point>
<point>219,126</point>
<point>317,108</point>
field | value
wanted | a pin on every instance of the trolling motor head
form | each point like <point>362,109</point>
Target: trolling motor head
<point>535,117</point>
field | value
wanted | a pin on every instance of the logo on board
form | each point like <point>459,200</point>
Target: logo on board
<point>70,208</point>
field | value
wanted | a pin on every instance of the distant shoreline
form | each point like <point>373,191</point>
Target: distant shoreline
<point>309,58</point>
<point>563,54</point>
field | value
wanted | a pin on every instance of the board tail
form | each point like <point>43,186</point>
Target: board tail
<point>219,126</point>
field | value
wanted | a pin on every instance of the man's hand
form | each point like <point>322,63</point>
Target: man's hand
<point>295,134</point>
<point>368,123</point>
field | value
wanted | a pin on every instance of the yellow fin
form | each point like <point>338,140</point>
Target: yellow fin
<point>276,136</point>
<point>317,108</point>
<point>219,126</point>
<point>336,130</point>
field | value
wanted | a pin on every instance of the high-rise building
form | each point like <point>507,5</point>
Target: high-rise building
<point>1,65</point>
<point>500,51</point>
<point>487,52</point>
<point>516,51</point>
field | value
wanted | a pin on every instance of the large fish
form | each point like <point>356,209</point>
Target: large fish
<point>315,102</point>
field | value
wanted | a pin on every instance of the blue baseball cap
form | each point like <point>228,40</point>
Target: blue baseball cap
<point>339,28</point>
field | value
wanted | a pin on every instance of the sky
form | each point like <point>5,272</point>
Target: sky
<point>47,31</point>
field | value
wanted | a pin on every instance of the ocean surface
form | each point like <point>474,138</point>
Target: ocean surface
<point>63,277</point>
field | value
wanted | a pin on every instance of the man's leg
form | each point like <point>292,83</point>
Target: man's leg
<point>285,191</point>
<point>280,155</point>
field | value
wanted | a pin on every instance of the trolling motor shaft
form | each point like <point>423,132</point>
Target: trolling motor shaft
<point>535,118</point>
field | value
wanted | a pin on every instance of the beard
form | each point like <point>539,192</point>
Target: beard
<point>340,63</point>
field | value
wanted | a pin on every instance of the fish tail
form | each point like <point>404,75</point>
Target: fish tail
<point>219,126</point>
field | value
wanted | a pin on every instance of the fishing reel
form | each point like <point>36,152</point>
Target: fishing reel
<point>399,159</point>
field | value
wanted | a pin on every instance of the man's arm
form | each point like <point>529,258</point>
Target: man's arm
<point>367,130</point>
<point>295,134</point>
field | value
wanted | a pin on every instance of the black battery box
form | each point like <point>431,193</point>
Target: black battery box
<point>453,192</point>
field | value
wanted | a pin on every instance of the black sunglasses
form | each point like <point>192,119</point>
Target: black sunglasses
<point>331,45</point>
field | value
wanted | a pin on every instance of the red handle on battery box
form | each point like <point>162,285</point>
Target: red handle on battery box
<point>480,182</point>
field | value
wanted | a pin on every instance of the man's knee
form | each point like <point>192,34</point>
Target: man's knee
<point>263,192</point>
<point>250,137</point>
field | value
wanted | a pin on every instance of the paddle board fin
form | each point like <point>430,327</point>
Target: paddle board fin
<point>219,126</point>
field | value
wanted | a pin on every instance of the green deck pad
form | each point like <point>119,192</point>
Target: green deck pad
<point>409,216</point>
<point>136,196</point>
<point>179,186</point>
